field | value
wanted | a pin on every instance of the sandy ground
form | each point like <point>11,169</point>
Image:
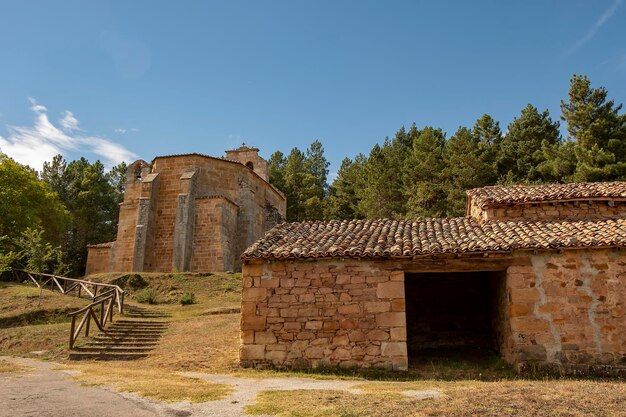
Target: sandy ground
<point>46,391</point>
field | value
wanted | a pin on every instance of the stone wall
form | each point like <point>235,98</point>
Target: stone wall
<point>98,259</point>
<point>564,309</point>
<point>314,313</point>
<point>216,218</point>
<point>572,210</point>
<point>156,229</point>
<point>215,177</point>
<point>250,158</point>
<point>567,308</point>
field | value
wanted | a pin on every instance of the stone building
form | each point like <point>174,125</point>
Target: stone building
<point>191,212</point>
<point>535,273</point>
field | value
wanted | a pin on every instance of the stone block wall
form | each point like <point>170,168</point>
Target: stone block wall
<point>563,309</point>
<point>213,242</point>
<point>313,313</point>
<point>157,222</point>
<point>572,210</point>
<point>567,309</point>
<point>98,259</point>
<point>125,243</point>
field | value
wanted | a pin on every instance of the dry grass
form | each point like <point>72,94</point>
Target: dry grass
<point>10,367</point>
<point>211,290</point>
<point>26,304</point>
<point>34,322</point>
<point>461,398</point>
<point>152,383</point>
<point>196,341</point>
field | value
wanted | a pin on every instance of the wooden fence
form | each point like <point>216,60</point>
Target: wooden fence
<point>104,299</point>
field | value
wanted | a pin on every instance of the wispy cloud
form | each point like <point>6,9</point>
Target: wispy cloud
<point>123,130</point>
<point>608,13</point>
<point>69,122</point>
<point>36,144</point>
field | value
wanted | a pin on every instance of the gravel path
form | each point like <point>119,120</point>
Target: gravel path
<point>45,391</point>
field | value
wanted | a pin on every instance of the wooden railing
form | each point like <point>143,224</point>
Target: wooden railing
<point>104,299</point>
<point>105,302</point>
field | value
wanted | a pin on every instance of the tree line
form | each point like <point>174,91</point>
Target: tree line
<point>421,173</point>
<point>48,218</point>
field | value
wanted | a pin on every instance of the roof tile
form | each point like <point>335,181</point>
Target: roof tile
<point>498,195</point>
<point>406,238</point>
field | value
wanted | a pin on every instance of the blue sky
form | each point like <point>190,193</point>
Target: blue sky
<point>135,79</point>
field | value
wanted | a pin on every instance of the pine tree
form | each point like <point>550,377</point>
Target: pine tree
<point>317,168</point>
<point>465,167</point>
<point>343,200</point>
<point>522,148</point>
<point>598,131</point>
<point>487,132</point>
<point>277,170</point>
<point>423,175</point>
<point>382,191</point>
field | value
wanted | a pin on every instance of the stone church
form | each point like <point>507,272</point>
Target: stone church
<point>536,274</point>
<point>191,212</point>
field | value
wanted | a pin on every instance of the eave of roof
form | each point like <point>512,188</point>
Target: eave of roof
<point>498,195</point>
<point>384,238</point>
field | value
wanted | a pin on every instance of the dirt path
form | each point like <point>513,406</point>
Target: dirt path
<point>246,390</point>
<point>45,391</point>
<point>41,391</point>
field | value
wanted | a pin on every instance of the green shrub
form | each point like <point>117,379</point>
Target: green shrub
<point>146,296</point>
<point>188,298</point>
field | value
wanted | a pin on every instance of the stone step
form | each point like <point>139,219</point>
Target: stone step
<point>113,349</point>
<point>155,322</point>
<point>105,356</point>
<point>114,340</point>
<point>136,328</point>
<point>117,343</point>
<point>133,331</point>
<point>153,328</point>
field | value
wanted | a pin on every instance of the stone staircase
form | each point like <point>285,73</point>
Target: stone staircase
<point>131,337</point>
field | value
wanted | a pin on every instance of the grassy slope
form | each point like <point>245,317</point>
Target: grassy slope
<point>34,326</point>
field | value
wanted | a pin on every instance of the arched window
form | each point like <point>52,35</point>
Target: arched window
<point>138,173</point>
<point>250,165</point>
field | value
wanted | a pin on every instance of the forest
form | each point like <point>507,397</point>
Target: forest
<point>48,217</point>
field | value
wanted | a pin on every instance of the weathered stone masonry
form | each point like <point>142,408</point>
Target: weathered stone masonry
<point>191,213</point>
<point>335,293</point>
<point>323,312</point>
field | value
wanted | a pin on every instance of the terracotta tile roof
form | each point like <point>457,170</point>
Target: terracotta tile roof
<point>407,238</point>
<point>101,245</point>
<point>520,194</point>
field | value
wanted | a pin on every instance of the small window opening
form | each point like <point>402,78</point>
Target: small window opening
<point>138,173</point>
<point>250,165</point>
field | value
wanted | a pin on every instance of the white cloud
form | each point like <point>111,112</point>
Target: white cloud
<point>123,131</point>
<point>608,13</point>
<point>69,122</point>
<point>37,108</point>
<point>33,145</point>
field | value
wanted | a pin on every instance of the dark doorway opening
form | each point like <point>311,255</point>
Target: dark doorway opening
<point>453,315</point>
